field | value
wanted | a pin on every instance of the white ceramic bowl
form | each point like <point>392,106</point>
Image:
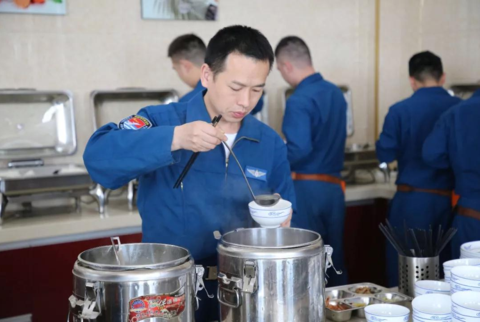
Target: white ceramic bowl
<point>270,217</point>
<point>466,275</point>
<point>416,318</point>
<point>466,303</point>
<point>447,266</point>
<point>431,287</point>
<point>470,250</point>
<point>432,307</point>
<point>386,313</point>
<point>463,318</point>
<point>457,287</point>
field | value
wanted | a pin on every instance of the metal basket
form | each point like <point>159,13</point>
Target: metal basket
<point>412,269</point>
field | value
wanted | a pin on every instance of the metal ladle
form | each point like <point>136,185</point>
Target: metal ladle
<point>117,250</point>
<point>262,200</point>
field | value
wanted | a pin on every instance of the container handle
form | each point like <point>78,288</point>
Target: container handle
<point>221,299</point>
<point>329,262</point>
<point>236,287</point>
<point>200,284</point>
<point>88,310</point>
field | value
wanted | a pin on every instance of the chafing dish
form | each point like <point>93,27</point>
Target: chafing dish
<point>39,124</point>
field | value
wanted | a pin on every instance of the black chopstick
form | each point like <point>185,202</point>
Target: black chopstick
<point>392,240</point>
<point>192,159</point>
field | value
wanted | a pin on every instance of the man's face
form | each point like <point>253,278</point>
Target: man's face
<point>235,91</point>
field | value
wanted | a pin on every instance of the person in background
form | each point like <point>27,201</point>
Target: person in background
<point>156,145</point>
<point>187,53</point>
<point>315,129</point>
<point>455,143</point>
<point>423,196</point>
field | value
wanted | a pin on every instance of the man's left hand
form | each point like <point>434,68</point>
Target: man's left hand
<point>287,222</point>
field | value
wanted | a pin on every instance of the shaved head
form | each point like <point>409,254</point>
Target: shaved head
<point>294,50</point>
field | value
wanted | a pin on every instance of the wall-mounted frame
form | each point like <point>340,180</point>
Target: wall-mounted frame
<point>180,9</point>
<point>42,7</point>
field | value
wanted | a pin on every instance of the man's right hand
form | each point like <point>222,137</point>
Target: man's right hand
<point>197,136</point>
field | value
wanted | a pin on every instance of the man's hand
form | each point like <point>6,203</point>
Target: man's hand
<point>287,222</point>
<point>197,136</point>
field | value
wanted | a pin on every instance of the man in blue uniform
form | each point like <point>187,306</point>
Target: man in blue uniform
<point>424,193</point>
<point>315,129</point>
<point>156,144</point>
<point>455,143</point>
<point>187,53</point>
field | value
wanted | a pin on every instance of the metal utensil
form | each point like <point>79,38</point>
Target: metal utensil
<point>117,250</point>
<point>262,200</point>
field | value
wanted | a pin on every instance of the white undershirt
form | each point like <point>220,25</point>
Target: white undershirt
<point>230,140</point>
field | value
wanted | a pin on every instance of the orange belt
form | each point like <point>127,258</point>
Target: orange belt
<point>406,188</point>
<point>455,199</point>
<point>468,212</point>
<point>319,177</point>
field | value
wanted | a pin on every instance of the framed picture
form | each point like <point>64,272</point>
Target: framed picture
<point>180,9</point>
<point>43,7</point>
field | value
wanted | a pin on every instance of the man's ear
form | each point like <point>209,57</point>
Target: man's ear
<point>206,75</point>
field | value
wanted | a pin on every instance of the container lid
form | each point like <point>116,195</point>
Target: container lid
<point>268,238</point>
<point>36,124</point>
<point>114,105</point>
<point>135,256</point>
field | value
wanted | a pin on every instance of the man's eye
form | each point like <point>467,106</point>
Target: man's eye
<point>236,89</point>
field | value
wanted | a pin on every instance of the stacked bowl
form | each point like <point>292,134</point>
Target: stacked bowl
<point>465,278</point>
<point>447,266</point>
<point>431,287</point>
<point>387,313</point>
<point>466,307</point>
<point>432,308</point>
<point>470,250</point>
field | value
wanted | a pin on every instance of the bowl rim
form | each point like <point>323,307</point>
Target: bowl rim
<point>464,307</point>
<point>270,217</point>
<point>429,298</point>
<point>466,278</point>
<point>387,305</point>
<point>460,294</point>
<point>266,208</point>
<point>461,259</point>
<point>420,286</point>
<point>270,209</point>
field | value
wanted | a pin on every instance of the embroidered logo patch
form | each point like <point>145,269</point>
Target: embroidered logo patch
<point>135,122</point>
<point>256,173</point>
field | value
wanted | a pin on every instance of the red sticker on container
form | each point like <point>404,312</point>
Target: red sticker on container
<point>155,306</point>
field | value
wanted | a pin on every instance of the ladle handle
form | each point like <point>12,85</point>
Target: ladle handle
<point>192,159</point>
<point>116,249</point>
<point>241,169</point>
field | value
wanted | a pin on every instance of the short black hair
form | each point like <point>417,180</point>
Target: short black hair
<point>189,47</point>
<point>294,48</point>
<point>237,39</point>
<point>425,65</point>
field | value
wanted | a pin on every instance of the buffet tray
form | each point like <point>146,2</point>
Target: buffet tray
<point>347,296</point>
